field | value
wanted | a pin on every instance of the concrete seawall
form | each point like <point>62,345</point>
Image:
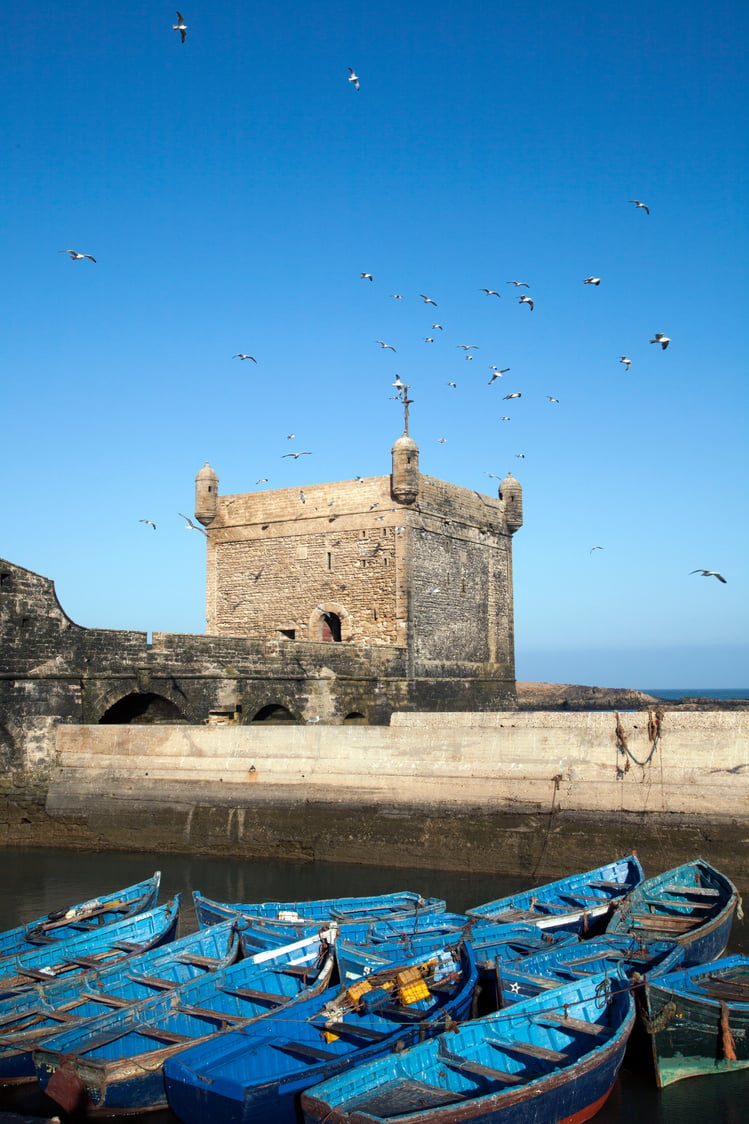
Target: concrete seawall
<point>464,791</point>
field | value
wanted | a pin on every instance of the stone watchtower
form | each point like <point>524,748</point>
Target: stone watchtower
<point>413,570</point>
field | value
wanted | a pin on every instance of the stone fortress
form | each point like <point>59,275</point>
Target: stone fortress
<point>335,603</point>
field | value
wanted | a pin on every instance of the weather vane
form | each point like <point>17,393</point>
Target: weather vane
<point>403,389</point>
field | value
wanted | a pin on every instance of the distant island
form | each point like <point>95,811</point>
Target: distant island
<point>568,696</point>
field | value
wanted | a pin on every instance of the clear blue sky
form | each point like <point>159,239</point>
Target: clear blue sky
<point>234,188</point>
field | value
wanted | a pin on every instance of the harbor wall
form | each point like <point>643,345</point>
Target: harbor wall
<point>459,791</point>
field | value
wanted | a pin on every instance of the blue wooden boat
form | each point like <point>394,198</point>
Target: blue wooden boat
<point>548,1060</point>
<point>114,1064</point>
<point>75,919</point>
<point>521,978</point>
<point>94,949</point>
<point>697,1020</point>
<point>28,1020</point>
<point>259,933</point>
<point>320,910</point>
<point>693,904</point>
<point>580,903</point>
<point>256,1074</point>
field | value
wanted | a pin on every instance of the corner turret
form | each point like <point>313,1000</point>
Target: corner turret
<point>206,495</point>
<point>404,481</point>
<point>511,495</point>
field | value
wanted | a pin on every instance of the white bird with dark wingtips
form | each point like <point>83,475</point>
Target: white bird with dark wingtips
<point>428,339</point>
<point>515,394</point>
<point>427,300</point>
<point>490,292</point>
<point>180,26</point>
<point>75,256</point>
<point>710,574</point>
<point>627,362</point>
<point>664,341</point>
<point>397,296</point>
<point>241,355</point>
<point>521,456</point>
<point>296,456</point>
<point>387,346</point>
<point>454,385</point>
<point>637,203</point>
<point>190,526</point>
<point>595,548</point>
<point>518,284</point>
<point>526,300</point>
<point>592,281</point>
<point>505,417</point>
<point>302,497</point>
<point>552,398</point>
<point>353,77</point>
<point>437,326</point>
<point>262,480</point>
<point>148,521</point>
<point>497,374</point>
<point>366,277</point>
<point>468,346</point>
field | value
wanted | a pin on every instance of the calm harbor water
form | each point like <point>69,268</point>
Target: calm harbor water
<point>36,882</point>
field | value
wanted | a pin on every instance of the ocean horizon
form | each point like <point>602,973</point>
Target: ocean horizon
<point>722,693</point>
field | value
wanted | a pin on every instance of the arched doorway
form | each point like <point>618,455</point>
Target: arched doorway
<point>274,714</point>
<point>142,708</point>
<point>355,718</point>
<point>330,627</point>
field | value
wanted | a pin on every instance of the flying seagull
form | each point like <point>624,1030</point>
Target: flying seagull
<point>438,326</point>
<point>515,394</point>
<point>262,480</point>
<point>637,203</point>
<point>75,256</point>
<point>427,300</point>
<point>627,362</point>
<point>592,281</point>
<point>551,398</point>
<point>148,521</point>
<point>490,292</point>
<point>521,455</point>
<point>497,374</point>
<point>505,417</point>
<point>526,300</point>
<point>454,385</point>
<point>241,355</point>
<point>397,296</point>
<point>382,343</point>
<point>468,346</point>
<point>442,440</point>
<point>595,548</point>
<point>366,277</point>
<point>190,526</point>
<point>428,339</point>
<point>664,341</point>
<point>518,284</point>
<point>180,26</point>
<point>296,456</point>
<point>353,77</point>
<point>494,475</point>
<point>710,574</point>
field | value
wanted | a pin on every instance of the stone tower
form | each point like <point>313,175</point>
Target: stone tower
<point>403,564</point>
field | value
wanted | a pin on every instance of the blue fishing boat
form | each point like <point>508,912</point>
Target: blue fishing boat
<point>259,933</point>
<point>521,978</point>
<point>693,904</point>
<point>551,1060</point>
<point>257,1074</point>
<point>320,910</point>
<point>72,920</point>
<point>97,948</point>
<point>697,1020</point>
<point>580,903</point>
<point>28,1020</point>
<point>114,1064</point>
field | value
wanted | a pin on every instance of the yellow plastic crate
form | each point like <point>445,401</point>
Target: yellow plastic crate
<point>407,976</point>
<point>413,992</point>
<point>358,989</point>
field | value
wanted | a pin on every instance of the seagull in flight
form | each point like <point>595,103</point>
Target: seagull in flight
<point>664,341</point>
<point>515,394</point>
<point>627,362</point>
<point>148,521</point>
<point>505,417</point>
<point>353,77</point>
<point>296,456</point>
<point>468,346</point>
<point>637,203</point>
<point>180,26</point>
<point>551,398</point>
<point>518,284</point>
<point>397,296</point>
<point>438,327</point>
<point>190,526</point>
<point>497,374</point>
<point>521,455</point>
<point>494,475</point>
<point>427,300</point>
<point>366,277</point>
<point>454,385</point>
<point>382,343</point>
<point>428,339</point>
<point>526,300</point>
<point>710,574</point>
<point>241,355</point>
<point>75,256</point>
<point>592,281</point>
<point>595,548</point>
<point>442,440</point>
<point>490,292</point>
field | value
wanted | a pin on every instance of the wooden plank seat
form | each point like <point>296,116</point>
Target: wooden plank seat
<point>367,1032</point>
<point>210,962</point>
<point>299,970</point>
<point>36,974</point>
<point>579,1026</point>
<point>532,1051</point>
<point>700,891</point>
<point>209,1013</point>
<point>602,884</point>
<point>86,961</point>
<point>665,904</point>
<point>259,996</point>
<point>152,981</point>
<point>103,997</point>
<point>661,921</point>
<point>402,1096</point>
<point>410,1014</point>
<point>163,1033</point>
<point>128,946</point>
<point>305,1050</point>
<point>478,1069</point>
<point>538,981</point>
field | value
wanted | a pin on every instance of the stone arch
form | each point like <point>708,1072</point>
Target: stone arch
<point>144,708</point>
<point>274,714</point>
<point>332,617</point>
<point>356,718</point>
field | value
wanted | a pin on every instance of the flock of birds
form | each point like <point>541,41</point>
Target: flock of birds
<point>659,338</point>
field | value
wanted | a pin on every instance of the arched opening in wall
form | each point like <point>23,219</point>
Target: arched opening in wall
<point>355,718</point>
<point>274,715</point>
<point>143,708</point>
<point>330,627</point>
